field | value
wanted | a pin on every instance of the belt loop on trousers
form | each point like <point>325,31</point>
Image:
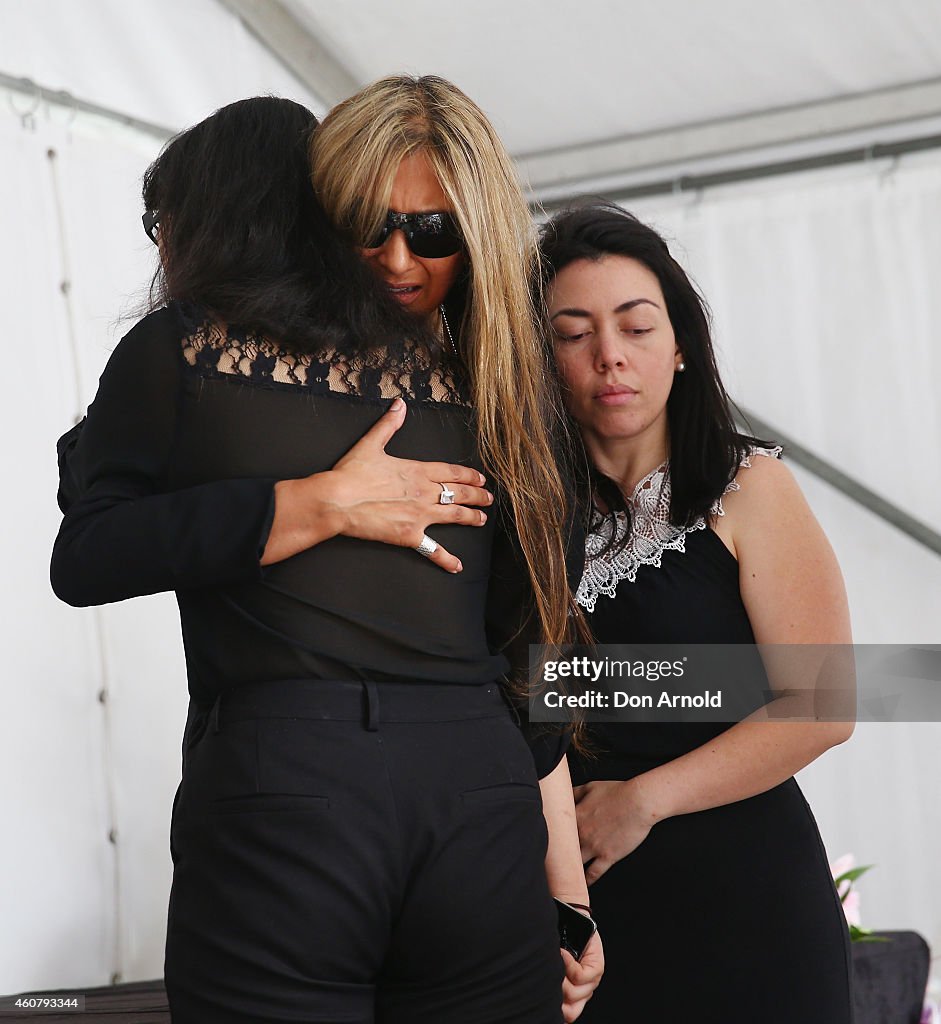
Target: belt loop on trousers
<point>371,693</point>
<point>214,714</point>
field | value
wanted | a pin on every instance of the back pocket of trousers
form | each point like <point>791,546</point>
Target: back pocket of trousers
<point>503,792</point>
<point>269,803</point>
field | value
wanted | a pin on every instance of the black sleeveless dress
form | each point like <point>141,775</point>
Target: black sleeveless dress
<point>723,916</point>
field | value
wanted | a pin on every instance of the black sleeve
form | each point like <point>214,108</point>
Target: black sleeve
<point>513,624</point>
<point>68,488</point>
<point>124,534</point>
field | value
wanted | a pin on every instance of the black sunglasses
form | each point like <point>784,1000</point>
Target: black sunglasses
<point>430,236</point>
<point>151,221</point>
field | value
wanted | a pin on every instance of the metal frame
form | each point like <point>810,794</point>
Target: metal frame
<point>610,164</point>
<point>842,482</point>
<point>293,44</point>
<point>751,172</point>
<point>59,97</point>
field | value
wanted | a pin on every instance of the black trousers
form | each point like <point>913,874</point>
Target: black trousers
<point>368,853</point>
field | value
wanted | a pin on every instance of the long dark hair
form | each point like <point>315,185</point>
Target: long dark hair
<point>243,236</point>
<point>706,449</point>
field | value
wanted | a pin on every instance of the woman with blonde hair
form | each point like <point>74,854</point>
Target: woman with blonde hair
<point>412,171</point>
<point>424,141</point>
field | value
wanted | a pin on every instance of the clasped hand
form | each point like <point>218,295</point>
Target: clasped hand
<point>612,822</point>
<point>581,978</point>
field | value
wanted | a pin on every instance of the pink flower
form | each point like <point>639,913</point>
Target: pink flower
<point>848,896</point>
<point>851,907</point>
<point>839,867</point>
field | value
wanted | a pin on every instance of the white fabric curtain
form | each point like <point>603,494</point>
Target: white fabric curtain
<point>824,290</point>
<point>88,784</point>
<point>58,899</point>
<point>169,62</point>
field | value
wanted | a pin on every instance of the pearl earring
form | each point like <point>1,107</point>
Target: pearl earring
<point>680,367</point>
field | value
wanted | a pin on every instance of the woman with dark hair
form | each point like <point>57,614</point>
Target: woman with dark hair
<point>259,246</point>
<point>358,835</point>
<point>707,873</point>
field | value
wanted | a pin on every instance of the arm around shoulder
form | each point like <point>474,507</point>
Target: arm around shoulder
<point>124,533</point>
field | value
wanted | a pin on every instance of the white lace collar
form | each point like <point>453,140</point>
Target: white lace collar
<point>652,533</point>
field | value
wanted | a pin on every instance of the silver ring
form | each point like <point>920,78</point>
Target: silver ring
<point>427,547</point>
<point>446,497</point>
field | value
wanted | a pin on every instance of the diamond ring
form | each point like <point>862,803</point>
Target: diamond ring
<point>447,495</point>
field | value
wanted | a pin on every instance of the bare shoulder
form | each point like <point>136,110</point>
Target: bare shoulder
<point>765,497</point>
<point>765,485</point>
<point>789,578</point>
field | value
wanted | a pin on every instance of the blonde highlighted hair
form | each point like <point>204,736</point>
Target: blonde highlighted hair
<point>355,155</point>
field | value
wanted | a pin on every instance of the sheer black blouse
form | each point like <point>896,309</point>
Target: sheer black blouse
<point>168,484</point>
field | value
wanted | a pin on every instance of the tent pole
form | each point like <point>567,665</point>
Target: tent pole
<point>842,482</point>
<point>60,98</point>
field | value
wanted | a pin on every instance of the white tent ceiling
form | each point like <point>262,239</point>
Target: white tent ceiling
<point>167,64</point>
<point>645,85</point>
<point>679,84</point>
<point>568,73</point>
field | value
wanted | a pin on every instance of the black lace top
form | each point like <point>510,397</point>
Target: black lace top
<point>168,485</point>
